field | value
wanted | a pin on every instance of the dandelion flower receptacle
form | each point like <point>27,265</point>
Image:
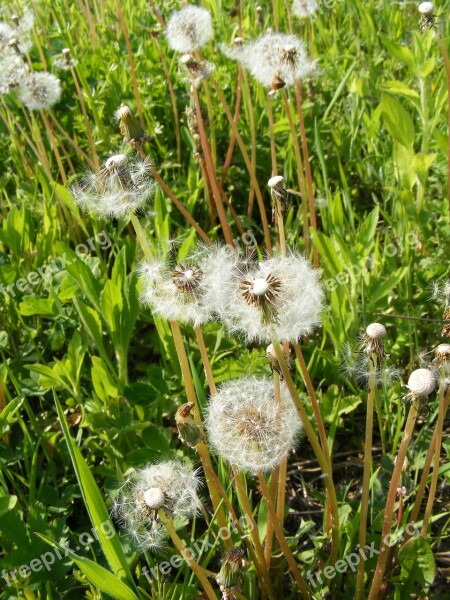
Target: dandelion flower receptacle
<point>248,428</point>
<point>122,185</point>
<point>170,486</point>
<point>421,383</point>
<point>189,29</point>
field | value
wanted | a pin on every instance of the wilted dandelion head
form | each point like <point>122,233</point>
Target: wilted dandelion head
<point>278,298</point>
<point>426,8</point>
<point>123,185</point>
<point>65,62</point>
<point>357,364</point>
<point>189,29</point>
<point>198,70</point>
<point>247,426</point>
<point>12,73</point>
<point>229,576</point>
<point>276,60</point>
<point>236,50</point>
<point>373,339</point>
<point>421,383</point>
<point>178,291</point>
<point>304,8</point>
<point>442,353</point>
<point>39,91</point>
<point>14,37</point>
<point>170,486</point>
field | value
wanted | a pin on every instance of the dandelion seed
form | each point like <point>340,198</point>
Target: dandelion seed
<point>124,184</point>
<point>170,486</point>
<point>248,428</point>
<point>278,298</point>
<point>304,8</point>
<point>39,91</point>
<point>189,29</point>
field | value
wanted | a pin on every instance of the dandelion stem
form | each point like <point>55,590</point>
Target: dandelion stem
<point>323,462</point>
<point>87,125</point>
<point>390,502</point>
<point>232,144</point>
<point>205,360</point>
<point>211,171</point>
<point>142,238</point>
<point>273,149</point>
<point>186,554</point>
<point>281,538</point>
<point>366,475</point>
<point>437,454</point>
<point>272,488</point>
<point>249,166</point>
<point>445,58</point>
<point>251,119</point>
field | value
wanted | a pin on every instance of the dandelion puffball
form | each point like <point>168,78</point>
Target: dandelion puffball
<point>170,486</point>
<point>304,8</point>
<point>275,299</point>
<point>426,8</point>
<point>247,426</point>
<point>189,29</point>
<point>39,90</point>
<point>421,382</point>
<point>123,185</point>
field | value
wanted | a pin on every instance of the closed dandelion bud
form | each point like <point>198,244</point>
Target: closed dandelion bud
<point>189,29</point>
<point>373,339</point>
<point>39,91</point>
<point>124,184</point>
<point>273,360</point>
<point>421,383</point>
<point>169,486</point>
<point>230,573</point>
<point>248,428</point>
<point>130,127</point>
<point>188,431</point>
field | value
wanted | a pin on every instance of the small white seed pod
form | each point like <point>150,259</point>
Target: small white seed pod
<point>154,498</point>
<point>426,8</point>
<point>376,331</point>
<point>421,382</point>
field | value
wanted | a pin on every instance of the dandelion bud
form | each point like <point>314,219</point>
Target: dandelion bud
<point>130,127</point>
<point>426,8</point>
<point>189,29</point>
<point>231,571</point>
<point>188,431</point>
<point>273,360</point>
<point>247,427</point>
<point>169,486</point>
<point>373,338</point>
<point>421,383</point>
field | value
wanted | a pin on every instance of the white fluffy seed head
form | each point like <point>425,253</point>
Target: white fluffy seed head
<point>376,331</point>
<point>248,428</point>
<point>154,498</point>
<point>189,29</point>
<point>276,56</point>
<point>171,486</point>
<point>279,298</point>
<point>179,291</point>
<point>304,8</point>
<point>426,8</point>
<point>124,184</point>
<point>421,382</point>
<point>39,91</point>
<point>12,73</point>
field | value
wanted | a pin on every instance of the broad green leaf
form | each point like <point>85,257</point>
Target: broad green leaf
<point>417,560</point>
<point>104,385</point>
<point>103,579</point>
<point>399,88</point>
<point>397,120</point>
<point>367,231</point>
<point>95,505</point>
<point>38,306</point>
<point>421,164</point>
<point>401,52</point>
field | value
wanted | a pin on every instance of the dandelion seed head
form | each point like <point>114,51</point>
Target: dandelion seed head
<point>39,91</point>
<point>279,298</point>
<point>376,331</point>
<point>171,486</point>
<point>65,62</point>
<point>304,8</point>
<point>421,382</point>
<point>189,29</point>
<point>124,184</point>
<point>248,428</point>
<point>426,8</point>
<point>12,73</point>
